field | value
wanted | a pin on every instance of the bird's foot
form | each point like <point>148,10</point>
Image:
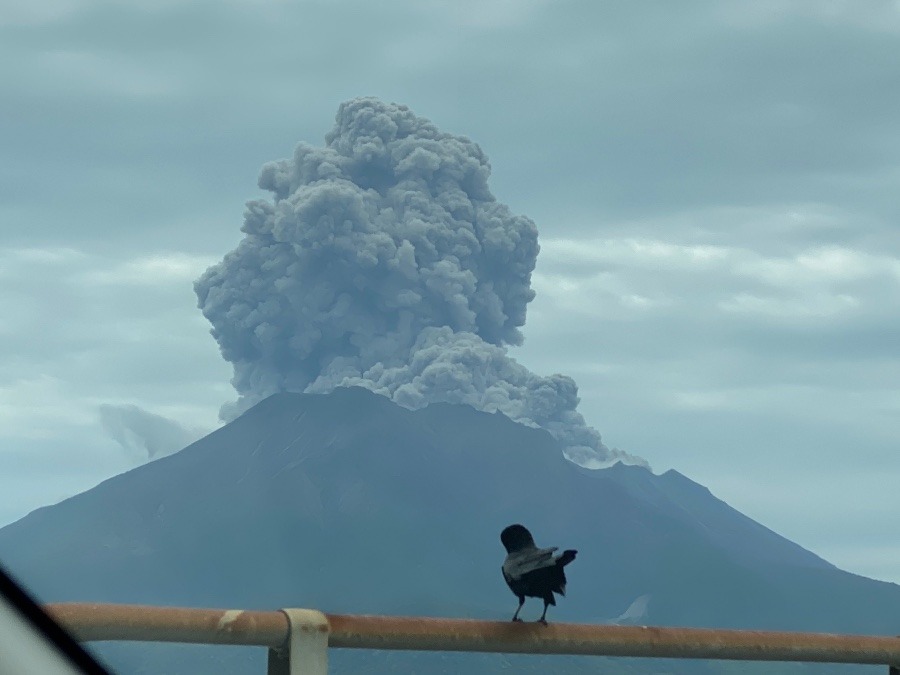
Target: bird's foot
<point>542,621</point>
<point>517,619</point>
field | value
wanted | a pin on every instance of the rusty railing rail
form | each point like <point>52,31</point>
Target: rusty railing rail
<point>298,640</point>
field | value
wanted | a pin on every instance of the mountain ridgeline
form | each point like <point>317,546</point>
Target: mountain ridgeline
<point>347,502</point>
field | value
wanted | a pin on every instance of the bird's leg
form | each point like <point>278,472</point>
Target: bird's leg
<point>543,619</point>
<point>519,608</point>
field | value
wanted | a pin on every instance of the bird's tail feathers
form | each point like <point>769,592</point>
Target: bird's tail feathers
<point>566,557</point>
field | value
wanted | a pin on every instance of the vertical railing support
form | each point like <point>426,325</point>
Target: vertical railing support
<point>895,669</point>
<point>306,649</point>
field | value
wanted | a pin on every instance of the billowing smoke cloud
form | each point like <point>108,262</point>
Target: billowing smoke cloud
<point>144,435</point>
<point>384,261</point>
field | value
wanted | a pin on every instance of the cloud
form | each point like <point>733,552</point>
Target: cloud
<point>36,13</point>
<point>384,261</point>
<point>144,434</point>
<point>149,270</point>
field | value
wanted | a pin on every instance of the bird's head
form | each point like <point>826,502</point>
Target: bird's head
<point>516,537</point>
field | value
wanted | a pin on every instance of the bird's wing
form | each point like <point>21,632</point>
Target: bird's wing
<point>522,562</point>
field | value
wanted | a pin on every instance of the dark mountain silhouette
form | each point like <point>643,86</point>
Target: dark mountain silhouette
<point>347,502</point>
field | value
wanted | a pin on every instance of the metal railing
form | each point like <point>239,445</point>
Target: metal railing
<point>299,639</point>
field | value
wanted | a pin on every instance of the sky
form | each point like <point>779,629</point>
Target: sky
<point>713,184</point>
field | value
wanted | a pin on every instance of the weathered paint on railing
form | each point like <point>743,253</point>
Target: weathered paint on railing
<point>98,622</point>
<point>94,622</point>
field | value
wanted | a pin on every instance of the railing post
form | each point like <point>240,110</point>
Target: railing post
<point>894,670</point>
<point>306,649</point>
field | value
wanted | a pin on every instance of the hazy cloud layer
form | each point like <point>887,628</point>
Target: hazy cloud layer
<point>384,261</point>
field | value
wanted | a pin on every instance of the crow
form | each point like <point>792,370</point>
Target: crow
<point>532,571</point>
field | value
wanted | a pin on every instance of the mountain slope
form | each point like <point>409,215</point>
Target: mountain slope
<point>348,503</point>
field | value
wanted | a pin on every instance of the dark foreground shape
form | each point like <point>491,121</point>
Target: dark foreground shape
<point>531,571</point>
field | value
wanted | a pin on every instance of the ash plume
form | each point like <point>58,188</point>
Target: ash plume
<point>384,261</point>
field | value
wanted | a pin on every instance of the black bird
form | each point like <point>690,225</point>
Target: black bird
<point>532,571</point>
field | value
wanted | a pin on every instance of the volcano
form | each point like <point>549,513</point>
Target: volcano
<point>347,502</point>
